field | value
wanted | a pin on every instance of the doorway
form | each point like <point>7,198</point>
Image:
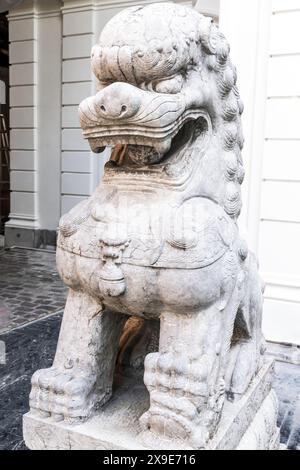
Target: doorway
<point>4,124</point>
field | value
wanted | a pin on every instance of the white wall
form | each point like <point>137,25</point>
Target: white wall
<point>279,229</point>
<point>265,45</point>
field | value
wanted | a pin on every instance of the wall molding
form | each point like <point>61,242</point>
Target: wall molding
<point>105,5</point>
<point>33,15</point>
<point>19,221</point>
<point>282,282</point>
<point>284,352</point>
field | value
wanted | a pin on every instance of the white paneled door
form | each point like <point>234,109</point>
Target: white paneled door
<point>271,91</point>
<point>279,249</point>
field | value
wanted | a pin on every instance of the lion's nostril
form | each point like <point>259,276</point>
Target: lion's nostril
<point>117,101</point>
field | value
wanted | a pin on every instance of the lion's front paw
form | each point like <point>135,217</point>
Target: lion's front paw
<point>178,389</point>
<point>64,395</point>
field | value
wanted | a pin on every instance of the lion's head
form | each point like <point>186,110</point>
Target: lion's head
<point>167,102</point>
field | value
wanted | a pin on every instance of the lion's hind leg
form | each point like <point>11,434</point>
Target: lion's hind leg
<point>247,344</point>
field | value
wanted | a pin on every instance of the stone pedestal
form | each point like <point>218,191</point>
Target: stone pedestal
<point>249,423</point>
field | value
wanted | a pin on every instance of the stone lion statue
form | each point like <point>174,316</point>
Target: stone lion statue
<point>158,240</point>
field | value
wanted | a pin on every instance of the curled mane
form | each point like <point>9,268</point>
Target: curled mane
<point>216,49</point>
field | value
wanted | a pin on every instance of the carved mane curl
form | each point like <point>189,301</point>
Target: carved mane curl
<point>218,62</point>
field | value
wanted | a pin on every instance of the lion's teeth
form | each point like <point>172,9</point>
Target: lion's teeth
<point>163,147</point>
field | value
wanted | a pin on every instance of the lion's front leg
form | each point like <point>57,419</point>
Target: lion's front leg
<point>184,379</point>
<point>82,373</point>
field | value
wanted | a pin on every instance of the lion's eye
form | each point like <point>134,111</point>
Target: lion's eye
<point>170,85</point>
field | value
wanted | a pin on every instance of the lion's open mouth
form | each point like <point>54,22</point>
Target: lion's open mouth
<point>143,128</point>
<point>140,152</point>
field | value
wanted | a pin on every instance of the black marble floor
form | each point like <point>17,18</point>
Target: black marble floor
<point>287,387</point>
<point>28,348</point>
<point>32,347</point>
<point>30,287</point>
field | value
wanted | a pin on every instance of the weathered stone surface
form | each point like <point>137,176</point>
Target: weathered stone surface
<point>248,423</point>
<point>158,239</point>
<point>263,434</point>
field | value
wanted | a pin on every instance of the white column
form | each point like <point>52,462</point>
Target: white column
<point>35,114</point>
<point>49,39</point>
<point>246,26</point>
<point>23,114</point>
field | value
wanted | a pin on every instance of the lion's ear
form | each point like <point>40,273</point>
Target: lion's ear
<point>208,35</point>
<point>212,40</point>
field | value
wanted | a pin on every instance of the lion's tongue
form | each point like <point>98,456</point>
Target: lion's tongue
<point>139,155</point>
<point>118,153</point>
<point>142,155</point>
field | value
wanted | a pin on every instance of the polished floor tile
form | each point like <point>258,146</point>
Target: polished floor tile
<point>28,348</point>
<point>30,287</point>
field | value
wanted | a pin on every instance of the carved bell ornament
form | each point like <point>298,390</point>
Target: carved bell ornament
<point>112,282</point>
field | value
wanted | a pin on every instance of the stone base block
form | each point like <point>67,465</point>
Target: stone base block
<point>29,237</point>
<point>248,423</point>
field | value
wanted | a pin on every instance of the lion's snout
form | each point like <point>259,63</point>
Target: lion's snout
<point>118,101</point>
